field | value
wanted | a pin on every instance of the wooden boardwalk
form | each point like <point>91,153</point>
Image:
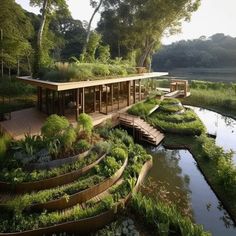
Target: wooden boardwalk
<point>148,132</point>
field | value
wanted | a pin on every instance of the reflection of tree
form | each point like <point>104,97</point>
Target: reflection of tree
<point>229,122</point>
<point>167,182</point>
<point>225,218</point>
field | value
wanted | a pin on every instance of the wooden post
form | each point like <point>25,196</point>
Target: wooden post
<point>83,101</point>
<point>118,95</point>
<point>140,95</point>
<point>106,100</point>
<point>53,102</point>
<point>77,104</point>
<point>94,98</point>
<point>112,93</point>
<point>128,94</point>
<point>100,98</point>
<point>185,88</point>
<point>134,92</point>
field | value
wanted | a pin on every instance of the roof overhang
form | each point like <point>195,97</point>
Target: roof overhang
<point>88,83</point>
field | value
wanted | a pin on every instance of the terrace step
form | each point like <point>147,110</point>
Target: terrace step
<point>148,132</point>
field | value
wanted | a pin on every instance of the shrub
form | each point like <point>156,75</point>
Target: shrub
<point>100,70</point>
<point>4,143</point>
<point>101,147</point>
<point>85,121</point>
<point>82,146</point>
<point>68,138</point>
<point>117,70</point>
<point>119,154</point>
<point>54,126</point>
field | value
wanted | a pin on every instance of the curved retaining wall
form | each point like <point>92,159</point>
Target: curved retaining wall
<point>56,163</point>
<point>86,225</point>
<point>47,183</point>
<point>81,196</point>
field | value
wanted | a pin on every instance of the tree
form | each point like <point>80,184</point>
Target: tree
<point>48,7</point>
<point>16,31</point>
<point>139,25</point>
<point>97,6</point>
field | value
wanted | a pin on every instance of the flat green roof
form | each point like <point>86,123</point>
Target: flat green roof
<point>88,83</point>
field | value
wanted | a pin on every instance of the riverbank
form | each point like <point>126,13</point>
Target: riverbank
<point>221,101</point>
<point>208,166</point>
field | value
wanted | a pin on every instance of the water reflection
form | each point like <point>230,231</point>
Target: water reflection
<point>176,173</point>
<point>223,126</point>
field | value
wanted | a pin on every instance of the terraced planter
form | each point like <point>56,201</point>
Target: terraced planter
<point>56,163</point>
<point>47,183</point>
<point>88,224</point>
<point>81,196</point>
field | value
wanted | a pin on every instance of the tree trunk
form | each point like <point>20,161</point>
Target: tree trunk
<point>40,37</point>
<point>146,52</point>
<point>89,26</point>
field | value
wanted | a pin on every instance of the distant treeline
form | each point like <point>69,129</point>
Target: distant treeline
<point>218,50</point>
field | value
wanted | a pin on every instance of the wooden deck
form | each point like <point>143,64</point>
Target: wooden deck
<point>148,133</point>
<point>30,121</point>
<point>22,122</point>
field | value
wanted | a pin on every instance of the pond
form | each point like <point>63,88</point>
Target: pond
<point>176,178</point>
<point>222,126</point>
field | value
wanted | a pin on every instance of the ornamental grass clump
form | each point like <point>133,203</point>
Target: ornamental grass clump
<point>164,219</point>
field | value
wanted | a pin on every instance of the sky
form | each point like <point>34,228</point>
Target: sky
<point>213,16</point>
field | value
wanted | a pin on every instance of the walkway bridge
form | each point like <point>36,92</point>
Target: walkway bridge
<point>146,132</point>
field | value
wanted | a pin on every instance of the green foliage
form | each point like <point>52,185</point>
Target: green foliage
<point>214,51</point>
<point>204,94</point>
<point>54,126</point>
<point>19,175</point>
<point>100,70</point>
<point>119,154</point>
<point>85,121</point>
<point>17,33</point>
<point>125,39</point>
<point>142,109</point>
<point>81,146</point>
<point>68,138</point>
<point>103,53</point>
<point>164,218</point>
<point>4,145</point>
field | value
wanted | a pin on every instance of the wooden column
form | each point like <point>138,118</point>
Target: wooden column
<point>94,98</point>
<point>134,92</point>
<point>83,101</point>
<point>118,96</point>
<point>77,103</point>
<point>128,94</point>
<point>140,95</point>
<point>106,99</point>
<point>100,98</point>
<point>112,94</point>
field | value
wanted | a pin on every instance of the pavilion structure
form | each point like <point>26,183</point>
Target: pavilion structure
<point>104,96</point>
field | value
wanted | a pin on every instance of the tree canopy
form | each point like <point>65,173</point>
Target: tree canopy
<point>136,25</point>
<point>218,50</point>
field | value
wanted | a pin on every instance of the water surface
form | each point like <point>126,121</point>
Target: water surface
<point>176,172</point>
<point>222,126</point>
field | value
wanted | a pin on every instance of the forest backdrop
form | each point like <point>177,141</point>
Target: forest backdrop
<point>130,30</point>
